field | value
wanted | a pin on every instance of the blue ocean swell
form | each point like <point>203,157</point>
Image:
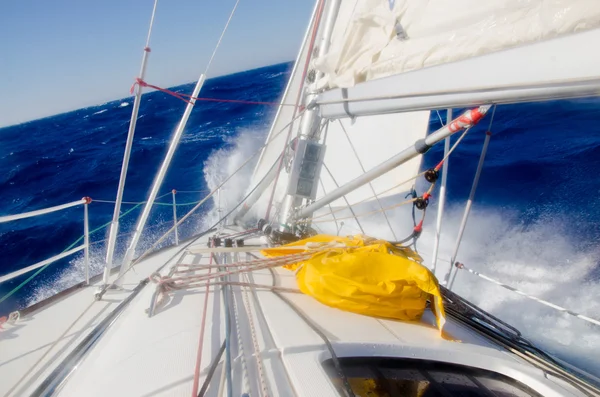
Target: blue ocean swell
<point>68,156</point>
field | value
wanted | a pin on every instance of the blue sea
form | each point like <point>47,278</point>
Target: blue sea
<point>535,224</point>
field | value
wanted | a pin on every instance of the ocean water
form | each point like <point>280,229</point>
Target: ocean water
<point>535,222</point>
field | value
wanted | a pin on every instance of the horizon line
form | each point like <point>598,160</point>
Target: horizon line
<point>131,95</point>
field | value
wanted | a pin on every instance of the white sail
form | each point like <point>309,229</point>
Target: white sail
<point>349,150</point>
<point>354,147</point>
<point>350,142</point>
<point>375,139</point>
<point>394,132</point>
<point>383,38</point>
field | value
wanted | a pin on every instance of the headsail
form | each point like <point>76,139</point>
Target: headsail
<point>354,147</point>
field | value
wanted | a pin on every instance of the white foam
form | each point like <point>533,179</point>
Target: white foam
<point>543,259</point>
<point>75,272</point>
<point>123,104</point>
<point>224,162</point>
<point>100,111</point>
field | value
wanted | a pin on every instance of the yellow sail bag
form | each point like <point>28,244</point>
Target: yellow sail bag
<point>365,276</point>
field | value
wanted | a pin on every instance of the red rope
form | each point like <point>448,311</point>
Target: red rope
<point>419,227</point>
<point>188,98</point>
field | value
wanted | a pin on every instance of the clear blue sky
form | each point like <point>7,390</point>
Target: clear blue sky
<point>60,55</point>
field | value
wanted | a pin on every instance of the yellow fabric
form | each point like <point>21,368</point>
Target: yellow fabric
<point>366,276</point>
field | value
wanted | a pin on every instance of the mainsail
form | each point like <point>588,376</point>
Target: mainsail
<point>382,38</point>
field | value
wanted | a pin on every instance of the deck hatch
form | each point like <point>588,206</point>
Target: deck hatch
<point>393,377</point>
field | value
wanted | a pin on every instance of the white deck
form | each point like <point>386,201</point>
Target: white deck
<point>156,356</point>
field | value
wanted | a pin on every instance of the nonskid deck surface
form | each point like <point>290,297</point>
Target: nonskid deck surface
<point>274,350</point>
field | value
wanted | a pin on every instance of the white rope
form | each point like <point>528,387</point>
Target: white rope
<point>40,264</point>
<point>43,211</point>
<point>383,209</point>
<point>186,216</point>
<point>246,381</point>
<point>331,212</point>
<point>543,302</point>
<point>349,207</point>
<point>257,355</point>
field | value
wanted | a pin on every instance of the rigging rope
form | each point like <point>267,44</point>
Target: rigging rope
<point>194,238</point>
<point>221,37</point>
<point>460,138</point>
<point>200,343</point>
<point>238,332</point>
<point>383,209</point>
<point>190,212</point>
<point>226,294</point>
<point>188,98</point>
<point>156,202</point>
<point>259,364</point>
<point>347,388</point>
<point>345,200</point>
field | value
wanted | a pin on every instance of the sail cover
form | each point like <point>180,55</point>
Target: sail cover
<point>378,38</point>
<point>364,275</point>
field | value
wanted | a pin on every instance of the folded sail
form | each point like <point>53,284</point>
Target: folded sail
<point>377,40</point>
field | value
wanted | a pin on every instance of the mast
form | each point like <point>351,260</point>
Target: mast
<point>114,225</point>
<point>310,121</point>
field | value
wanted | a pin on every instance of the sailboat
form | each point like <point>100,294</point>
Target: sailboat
<point>310,285</point>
